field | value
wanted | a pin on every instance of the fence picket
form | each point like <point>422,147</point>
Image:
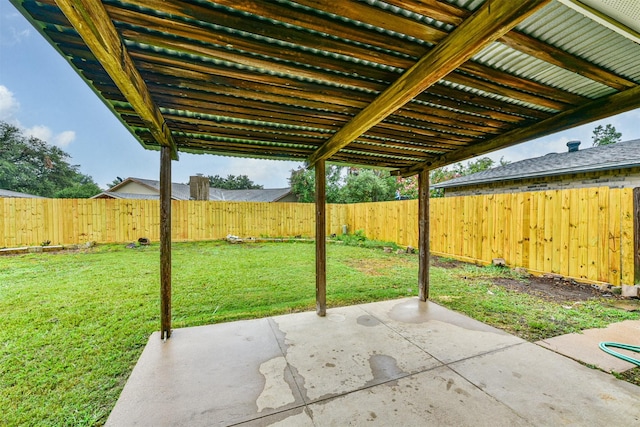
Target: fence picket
<point>579,233</point>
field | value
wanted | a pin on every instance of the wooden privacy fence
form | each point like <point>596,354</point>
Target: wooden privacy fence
<point>25,222</point>
<point>587,234</point>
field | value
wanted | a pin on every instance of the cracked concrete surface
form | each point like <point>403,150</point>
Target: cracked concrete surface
<point>401,362</point>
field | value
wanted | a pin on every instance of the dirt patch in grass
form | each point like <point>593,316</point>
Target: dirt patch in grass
<point>554,289</point>
<point>446,262</point>
<point>377,266</point>
<point>550,289</point>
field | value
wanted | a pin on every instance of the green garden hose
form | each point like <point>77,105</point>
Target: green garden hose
<point>636,349</point>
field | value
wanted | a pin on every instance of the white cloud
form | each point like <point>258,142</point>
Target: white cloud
<point>270,173</point>
<point>9,34</point>
<point>8,104</point>
<point>44,133</point>
<point>65,138</point>
<point>40,132</point>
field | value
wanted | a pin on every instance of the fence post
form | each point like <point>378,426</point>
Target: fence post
<point>321,242</point>
<point>636,235</point>
<point>423,234</point>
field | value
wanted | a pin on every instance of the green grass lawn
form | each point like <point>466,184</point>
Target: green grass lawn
<point>74,324</point>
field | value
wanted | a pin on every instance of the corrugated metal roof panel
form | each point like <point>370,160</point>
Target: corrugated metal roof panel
<point>504,58</point>
<point>467,4</point>
<point>278,78</point>
<point>569,30</point>
<point>494,96</point>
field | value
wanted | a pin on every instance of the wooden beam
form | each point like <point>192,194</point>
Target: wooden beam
<point>94,25</point>
<point>497,81</point>
<point>165,242</point>
<point>636,236</point>
<point>321,241</point>
<point>486,25</point>
<point>454,15</point>
<point>423,234</point>
<point>548,53</point>
<point>595,110</point>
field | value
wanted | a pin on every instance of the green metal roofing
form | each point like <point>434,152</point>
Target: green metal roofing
<point>277,79</point>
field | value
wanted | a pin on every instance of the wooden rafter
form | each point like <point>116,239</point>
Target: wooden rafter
<point>491,21</point>
<point>517,40</point>
<point>496,83</point>
<point>93,24</point>
<point>595,110</point>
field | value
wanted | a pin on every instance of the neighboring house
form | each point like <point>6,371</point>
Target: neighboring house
<point>15,194</point>
<point>137,188</point>
<point>614,165</point>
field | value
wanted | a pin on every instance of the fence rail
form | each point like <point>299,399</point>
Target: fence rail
<point>587,233</point>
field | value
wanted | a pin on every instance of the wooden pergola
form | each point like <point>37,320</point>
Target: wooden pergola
<point>406,85</point>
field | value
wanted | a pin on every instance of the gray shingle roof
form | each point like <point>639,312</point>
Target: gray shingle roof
<point>9,193</point>
<point>608,157</point>
<point>182,192</point>
<point>118,195</point>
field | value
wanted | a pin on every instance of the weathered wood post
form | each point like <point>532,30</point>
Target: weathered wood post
<point>165,242</point>
<point>636,236</point>
<point>423,234</point>
<point>321,242</point>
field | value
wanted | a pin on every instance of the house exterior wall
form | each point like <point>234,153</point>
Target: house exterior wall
<point>618,178</point>
<point>135,188</point>
<point>288,198</point>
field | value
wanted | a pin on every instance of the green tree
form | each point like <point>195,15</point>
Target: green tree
<point>83,189</point>
<point>232,182</point>
<point>360,185</point>
<point>605,135</point>
<point>367,185</point>
<point>30,165</point>
<point>115,182</point>
<point>303,184</point>
<point>460,169</point>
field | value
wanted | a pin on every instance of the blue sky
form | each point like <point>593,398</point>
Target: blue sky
<point>41,93</point>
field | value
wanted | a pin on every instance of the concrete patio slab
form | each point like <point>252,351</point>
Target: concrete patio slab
<point>550,390</point>
<point>446,335</point>
<point>208,376</point>
<point>400,362</point>
<point>439,397</point>
<point>584,346</point>
<point>345,351</point>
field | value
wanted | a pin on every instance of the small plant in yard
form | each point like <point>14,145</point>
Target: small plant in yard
<point>359,239</point>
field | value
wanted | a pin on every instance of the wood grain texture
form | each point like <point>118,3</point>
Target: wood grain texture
<point>91,21</point>
<point>459,227</point>
<point>600,108</point>
<point>423,235</point>
<point>483,27</point>
<point>636,235</point>
<point>165,242</point>
<point>321,239</point>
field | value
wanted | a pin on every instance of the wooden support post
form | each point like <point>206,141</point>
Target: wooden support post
<point>423,234</point>
<point>636,235</point>
<point>165,242</point>
<point>321,241</point>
